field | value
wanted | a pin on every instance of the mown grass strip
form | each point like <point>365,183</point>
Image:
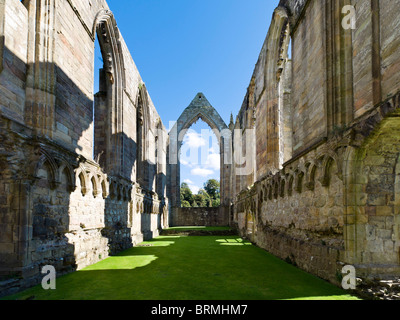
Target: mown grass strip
<point>190,268</point>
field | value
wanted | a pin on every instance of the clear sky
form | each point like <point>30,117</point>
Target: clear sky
<point>182,47</point>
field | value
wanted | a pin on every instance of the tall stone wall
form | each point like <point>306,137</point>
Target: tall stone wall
<point>324,189</point>
<point>79,179</point>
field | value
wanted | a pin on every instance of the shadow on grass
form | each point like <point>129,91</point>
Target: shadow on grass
<point>190,268</point>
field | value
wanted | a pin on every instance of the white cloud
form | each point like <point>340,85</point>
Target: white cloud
<point>199,155</point>
<point>184,162</point>
<point>214,161</point>
<point>195,189</point>
<point>201,172</point>
<point>214,148</point>
<point>194,140</point>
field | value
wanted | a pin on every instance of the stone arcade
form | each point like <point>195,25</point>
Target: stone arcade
<point>323,188</point>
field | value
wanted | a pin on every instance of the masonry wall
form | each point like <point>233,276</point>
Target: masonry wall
<point>202,217</point>
<point>13,57</point>
<point>309,98</point>
<point>71,194</point>
<point>298,214</point>
<point>324,191</point>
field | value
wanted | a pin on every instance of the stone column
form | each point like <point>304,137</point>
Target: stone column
<point>41,77</point>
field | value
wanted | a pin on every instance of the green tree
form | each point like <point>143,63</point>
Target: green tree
<point>212,187</point>
<point>216,203</point>
<point>208,200</point>
<point>185,204</point>
<point>201,200</point>
<point>186,195</point>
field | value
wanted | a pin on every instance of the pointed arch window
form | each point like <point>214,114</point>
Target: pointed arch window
<point>108,106</point>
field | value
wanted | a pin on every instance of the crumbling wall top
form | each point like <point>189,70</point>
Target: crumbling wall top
<point>294,8</point>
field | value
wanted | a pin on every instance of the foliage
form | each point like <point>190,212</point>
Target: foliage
<point>185,204</point>
<point>187,198</point>
<point>202,200</point>
<point>216,203</point>
<point>206,198</point>
<point>212,187</point>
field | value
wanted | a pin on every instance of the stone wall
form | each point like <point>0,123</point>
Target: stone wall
<point>71,191</point>
<point>297,214</point>
<point>202,217</point>
<point>323,192</point>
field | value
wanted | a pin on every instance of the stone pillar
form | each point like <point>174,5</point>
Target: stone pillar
<point>41,76</point>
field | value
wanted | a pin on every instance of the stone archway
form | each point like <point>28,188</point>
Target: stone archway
<point>110,103</point>
<point>200,108</point>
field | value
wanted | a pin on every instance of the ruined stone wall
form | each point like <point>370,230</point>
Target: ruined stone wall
<point>324,190</point>
<point>199,108</point>
<point>71,190</point>
<point>13,57</point>
<point>208,217</point>
<point>309,118</point>
<point>298,213</point>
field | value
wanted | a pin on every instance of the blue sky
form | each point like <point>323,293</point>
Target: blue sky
<point>182,47</point>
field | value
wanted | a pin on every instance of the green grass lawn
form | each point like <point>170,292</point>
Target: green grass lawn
<point>182,229</point>
<point>190,268</point>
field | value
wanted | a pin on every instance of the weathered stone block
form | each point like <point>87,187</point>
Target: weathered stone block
<point>384,210</point>
<point>384,234</point>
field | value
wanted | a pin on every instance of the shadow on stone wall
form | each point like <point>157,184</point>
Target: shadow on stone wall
<point>38,177</point>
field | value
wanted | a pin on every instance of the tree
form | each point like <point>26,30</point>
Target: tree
<point>212,187</point>
<point>186,195</point>
<point>216,203</point>
<point>186,204</point>
<point>206,198</point>
<point>184,185</point>
<point>201,200</point>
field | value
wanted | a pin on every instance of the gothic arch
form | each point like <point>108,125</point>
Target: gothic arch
<point>278,88</point>
<point>81,175</point>
<point>200,108</point>
<point>47,161</point>
<point>142,128</point>
<point>64,166</point>
<point>311,172</point>
<point>108,35</point>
